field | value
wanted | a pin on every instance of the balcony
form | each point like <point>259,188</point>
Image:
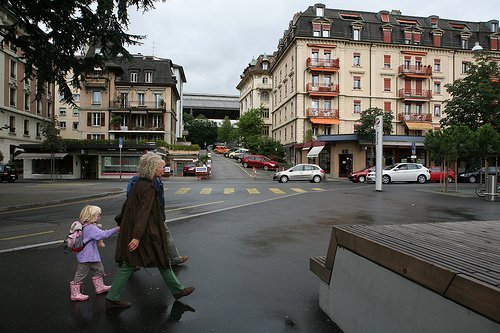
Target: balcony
<point>322,113</point>
<point>322,89</point>
<point>418,72</point>
<point>138,105</point>
<point>415,117</point>
<point>323,65</point>
<point>414,94</point>
<point>96,82</point>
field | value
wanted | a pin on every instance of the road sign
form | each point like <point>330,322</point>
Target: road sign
<point>413,148</point>
<point>120,142</point>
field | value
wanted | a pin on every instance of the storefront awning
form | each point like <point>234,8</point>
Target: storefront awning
<point>314,152</point>
<point>325,121</point>
<point>418,126</point>
<point>39,156</point>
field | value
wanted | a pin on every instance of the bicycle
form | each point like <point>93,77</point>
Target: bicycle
<point>481,188</point>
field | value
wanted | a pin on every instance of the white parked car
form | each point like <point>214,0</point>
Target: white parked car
<point>310,172</point>
<point>402,172</point>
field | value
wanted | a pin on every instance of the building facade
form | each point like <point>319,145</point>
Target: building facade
<point>255,89</point>
<point>21,114</point>
<point>333,64</point>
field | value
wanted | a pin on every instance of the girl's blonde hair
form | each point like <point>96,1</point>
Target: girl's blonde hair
<point>89,214</point>
<point>148,164</point>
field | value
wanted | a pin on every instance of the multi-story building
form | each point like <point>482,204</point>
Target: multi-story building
<point>332,64</point>
<point>21,114</point>
<point>255,89</point>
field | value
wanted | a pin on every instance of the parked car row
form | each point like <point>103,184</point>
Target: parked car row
<point>474,175</point>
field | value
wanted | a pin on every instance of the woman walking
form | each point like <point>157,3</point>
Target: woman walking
<point>143,240</point>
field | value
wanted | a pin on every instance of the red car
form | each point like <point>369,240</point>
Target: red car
<point>259,161</point>
<point>437,173</point>
<point>189,169</point>
<point>360,176</point>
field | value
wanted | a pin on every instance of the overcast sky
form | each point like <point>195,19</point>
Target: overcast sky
<point>214,40</point>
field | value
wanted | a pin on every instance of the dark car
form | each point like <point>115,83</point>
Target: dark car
<point>473,175</point>
<point>189,169</point>
<point>259,161</point>
<point>8,172</point>
<point>360,176</point>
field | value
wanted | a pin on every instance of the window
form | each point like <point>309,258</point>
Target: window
<point>387,61</point>
<point>465,43</point>
<point>26,127</point>
<point>407,109</point>
<point>356,33</point>
<point>96,97</point>
<point>149,77</point>
<point>157,120</point>
<point>437,110</point>
<point>387,84</point>
<point>357,106</point>
<point>328,130</point>
<point>325,30</point>
<point>12,124</point>
<point>320,11</point>
<point>76,98</point>
<point>328,105</point>
<point>356,57</point>
<point>437,88</point>
<point>436,40</point>
<point>418,109</point>
<point>141,120</point>
<point>133,77</point>
<point>38,107</point>
<point>465,67</point>
<point>76,112</point>
<point>38,130</point>
<point>357,82</point>
<point>387,35</point>
<point>316,29</point>
<point>315,81</point>
<point>96,136</point>
<point>265,113</point>
<point>437,65</point>
<point>96,119</point>
<point>13,73</point>
<point>265,65</point>
<point>140,99</point>
<point>264,97</point>
<point>62,112</point>
<point>264,80</point>
<point>387,106</point>
<point>62,124</point>
<point>12,96</point>
<point>26,102</point>
<point>75,125</point>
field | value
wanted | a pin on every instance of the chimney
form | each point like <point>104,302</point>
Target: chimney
<point>395,12</point>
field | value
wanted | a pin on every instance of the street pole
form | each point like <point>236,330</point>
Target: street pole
<point>379,145</point>
<point>120,145</point>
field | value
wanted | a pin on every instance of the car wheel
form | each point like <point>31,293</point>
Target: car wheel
<point>450,179</point>
<point>316,179</point>
<point>362,179</point>
<point>266,167</point>
<point>386,179</point>
<point>421,179</point>
<point>472,179</point>
<point>283,179</point>
<point>245,165</point>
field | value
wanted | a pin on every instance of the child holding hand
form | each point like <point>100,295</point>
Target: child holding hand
<point>89,258</point>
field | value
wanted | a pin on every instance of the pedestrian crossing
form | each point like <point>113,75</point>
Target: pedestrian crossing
<point>249,190</point>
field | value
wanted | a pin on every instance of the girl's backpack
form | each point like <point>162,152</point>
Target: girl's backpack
<point>74,240</point>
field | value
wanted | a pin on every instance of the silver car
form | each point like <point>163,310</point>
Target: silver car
<point>310,172</point>
<point>402,172</point>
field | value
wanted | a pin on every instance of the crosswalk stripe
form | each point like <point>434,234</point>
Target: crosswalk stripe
<point>182,190</point>
<point>318,189</point>
<point>253,190</point>
<point>206,190</point>
<point>298,190</point>
<point>229,190</point>
<point>276,190</point>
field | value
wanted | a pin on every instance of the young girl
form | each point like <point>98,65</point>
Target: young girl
<point>89,258</point>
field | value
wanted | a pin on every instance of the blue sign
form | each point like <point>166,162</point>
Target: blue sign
<point>120,142</point>
<point>413,148</point>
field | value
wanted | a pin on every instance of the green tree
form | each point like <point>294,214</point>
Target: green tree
<point>201,131</point>
<point>250,125</point>
<point>475,99</point>
<point>53,35</point>
<point>366,128</point>
<point>53,142</point>
<point>224,131</point>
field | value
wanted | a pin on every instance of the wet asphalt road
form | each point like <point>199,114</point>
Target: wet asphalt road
<point>250,265</point>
